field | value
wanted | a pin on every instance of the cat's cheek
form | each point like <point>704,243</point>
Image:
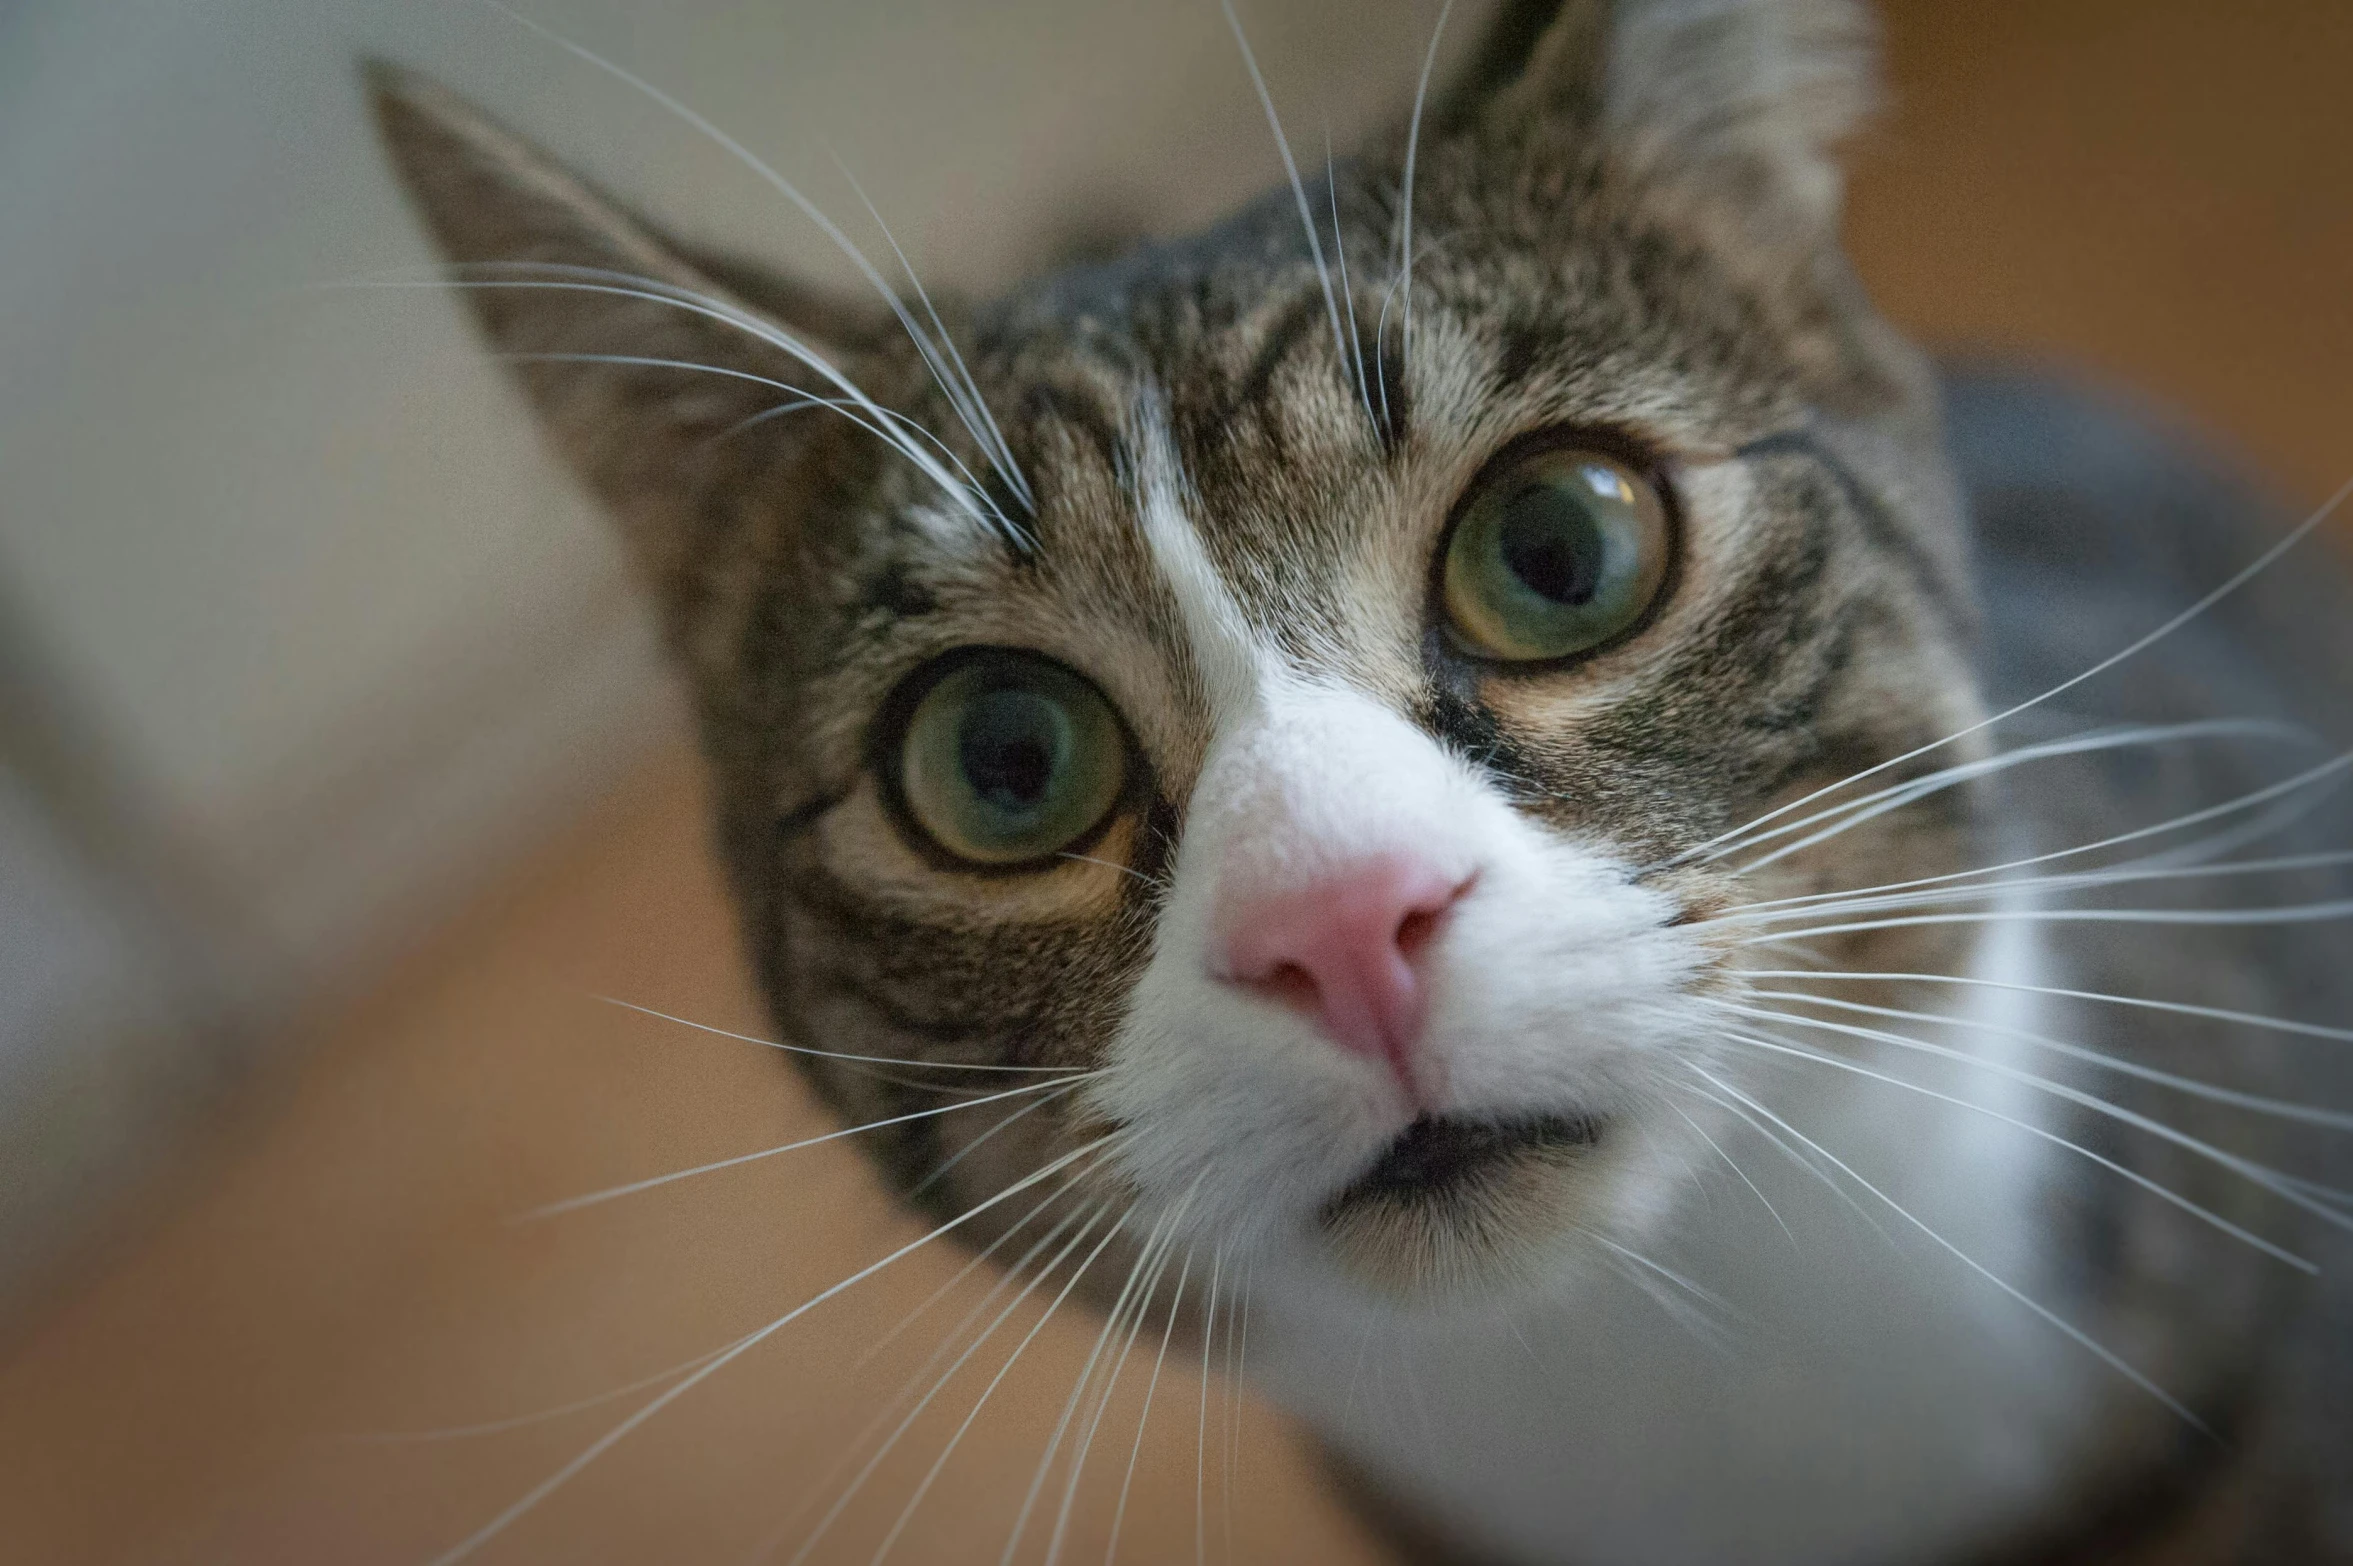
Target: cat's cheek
<point>1561,984</point>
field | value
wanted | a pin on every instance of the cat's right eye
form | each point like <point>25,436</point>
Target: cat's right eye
<point>1008,758</point>
<point>1557,552</point>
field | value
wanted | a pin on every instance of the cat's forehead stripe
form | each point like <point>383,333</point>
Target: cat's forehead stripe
<point>1229,657</point>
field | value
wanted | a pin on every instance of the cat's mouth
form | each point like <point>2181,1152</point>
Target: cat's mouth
<point>1451,1159</point>
<point>1460,1202</point>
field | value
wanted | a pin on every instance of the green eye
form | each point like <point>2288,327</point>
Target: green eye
<point>1009,758</point>
<point>1555,555</point>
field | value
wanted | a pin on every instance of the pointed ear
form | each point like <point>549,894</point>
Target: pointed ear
<point>1730,107</point>
<point>643,363</point>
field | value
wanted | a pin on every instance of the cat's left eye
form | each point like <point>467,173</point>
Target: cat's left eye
<point>1555,553</point>
<point>1008,758</point>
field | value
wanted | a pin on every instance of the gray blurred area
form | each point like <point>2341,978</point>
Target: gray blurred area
<point>303,637</point>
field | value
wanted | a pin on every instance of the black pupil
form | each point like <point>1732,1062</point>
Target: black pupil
<point>1009,744</point>
<point>1550,543</point>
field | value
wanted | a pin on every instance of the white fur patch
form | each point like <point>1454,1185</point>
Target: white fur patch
<point>1223,648</point>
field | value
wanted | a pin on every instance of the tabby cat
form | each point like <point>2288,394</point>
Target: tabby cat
<point>1489,768</point>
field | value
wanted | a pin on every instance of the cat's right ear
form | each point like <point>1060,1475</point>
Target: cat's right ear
<point>660,378</point>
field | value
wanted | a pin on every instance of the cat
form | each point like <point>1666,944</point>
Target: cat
<point>1443,742</point>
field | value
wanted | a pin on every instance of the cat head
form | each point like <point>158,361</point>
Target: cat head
<point>1276,700</point>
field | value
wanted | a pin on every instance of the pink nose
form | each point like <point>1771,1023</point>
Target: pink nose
<point>1343,948</point>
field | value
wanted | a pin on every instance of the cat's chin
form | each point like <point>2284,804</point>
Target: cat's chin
<point>1457,1205</point>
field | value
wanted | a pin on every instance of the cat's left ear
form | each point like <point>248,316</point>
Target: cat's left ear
<point>660,375</point>
<point>1717,118</point>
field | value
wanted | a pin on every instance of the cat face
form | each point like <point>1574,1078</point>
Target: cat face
<point>1277,696</point>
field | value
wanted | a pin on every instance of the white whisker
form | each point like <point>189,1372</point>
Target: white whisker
<point>1070,1405</point>
<point>643,1383</point>
<point>1896,796</point>
<point>895,429</point>
<point>1736,1169</point>
<point>1217,1259</point>
<point>2334,767</point>
<point>1818,905</point>
<point>1705,1296</point>
<point>1127,1482</point>
<point>2289,913</point>
<point>1237,1369</point>
<point>1347,292</point>
<point>947,1165</point>
<point>1665,1289</point>
<point>2177,1008</point>
<point>2278,1109</point>
<point>2246,1169</point>
<point>808,209</point>
<point>767,415</point>
<point>887,425</point>
<point>1108,864</point>
<point>612,1193</point>
<point>1315,244</point>
<point>955,1281</point>
<point>620,1432</point>
<point>539,1416</point>
<point>1151,1266</point>
<point>898,1061</point>
<point>2154,1188</point>
<point>1413,147</point>
<point>2106,1355</point>
<point>924,1373</point>
<point>1794,1155</point>
<point>2323,1193</point>
<point>2239,579</point>
<point>907,1512</point>
<point>954,377</point>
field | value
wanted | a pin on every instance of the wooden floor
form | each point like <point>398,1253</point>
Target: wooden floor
<point>2145,189</point>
